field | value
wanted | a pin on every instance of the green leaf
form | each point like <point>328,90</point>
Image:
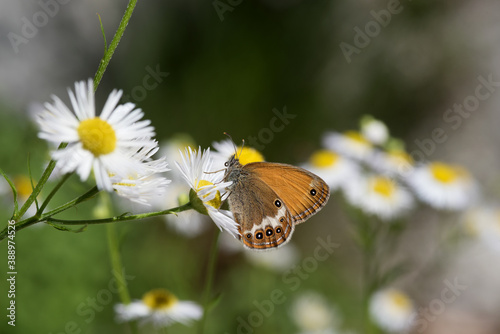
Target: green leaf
<point>65,229</point>
<point>14,191</point>
<point>103,34</point>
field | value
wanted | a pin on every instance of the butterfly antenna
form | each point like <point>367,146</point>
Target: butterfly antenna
<point>242,145</point>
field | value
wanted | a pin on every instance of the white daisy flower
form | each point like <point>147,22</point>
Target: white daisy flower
<point>160,308</point>
<point>335,169</point>
<point>147,187</point>
<point>392,310</point>
<point>188,223</point>
<point>206,188</point>
<point>312,313</point>
<point>280,260</point>
<point>484,223</point>
<point>226,149</point>
<point>351,144</point>
<point>374,130</point>
<point>379,195</point>
<point>444,186</point>
<point>105,143</point>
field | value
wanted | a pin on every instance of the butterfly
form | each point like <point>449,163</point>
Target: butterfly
<point>268,199</point>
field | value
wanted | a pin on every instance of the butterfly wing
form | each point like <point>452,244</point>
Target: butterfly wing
<point>302,192</point>
<point>263,221</point>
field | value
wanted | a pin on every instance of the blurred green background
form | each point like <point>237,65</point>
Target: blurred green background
<point>227,76</point>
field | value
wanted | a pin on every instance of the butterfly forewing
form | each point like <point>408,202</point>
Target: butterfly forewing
<point>264,222</point>
<point>302,192</point>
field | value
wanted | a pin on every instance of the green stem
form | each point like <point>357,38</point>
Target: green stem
<point>368,230</point>
<point>108,54</point>
<point>53,192</point>
<point>181,208</point>
<point>47,217</point>
<point>116,260</point>
<point>116,263</point>
<point>88,195</point>
<point>210,278</point>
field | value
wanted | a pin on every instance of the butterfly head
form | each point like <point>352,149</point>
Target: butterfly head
<point>233,169</point>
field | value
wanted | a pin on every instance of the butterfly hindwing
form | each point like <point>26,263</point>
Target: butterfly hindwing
<point>264,222</point>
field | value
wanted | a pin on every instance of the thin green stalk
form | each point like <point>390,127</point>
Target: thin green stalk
<point>209,282</point>
<point>82,198</point>
<point>181,208</point>
<point>369,236</point>
<point>53,192</point>
<point>116,263</point>
<point>48,217</point>
<point>108,54</point>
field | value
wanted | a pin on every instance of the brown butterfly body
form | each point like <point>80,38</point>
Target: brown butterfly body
<point>268,199</point>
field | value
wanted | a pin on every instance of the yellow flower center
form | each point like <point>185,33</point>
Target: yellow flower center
<point>400,300</point>
<point>97,136</point>
<point>324,158</point>
<point>249,154</point>
<point>159,299</point>
<point>216,202</point>
<point>383,186</point>
<point>23,185</point>
<point>446,173</point>
<point>357,137</point>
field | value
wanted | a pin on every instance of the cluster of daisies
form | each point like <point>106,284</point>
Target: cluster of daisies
<point>377,175</point>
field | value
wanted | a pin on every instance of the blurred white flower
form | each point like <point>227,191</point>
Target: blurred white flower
<point>379,195</point>
<point>444,186</point>
<point>484,223</point>
<point>396,163</point>
<point>336,170</point>
<point>374,130</point>
<point>351,144</point>
<point>280,259</point>
<point>159,307</point>
<point>392,310</point>
<point>312,313</point>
